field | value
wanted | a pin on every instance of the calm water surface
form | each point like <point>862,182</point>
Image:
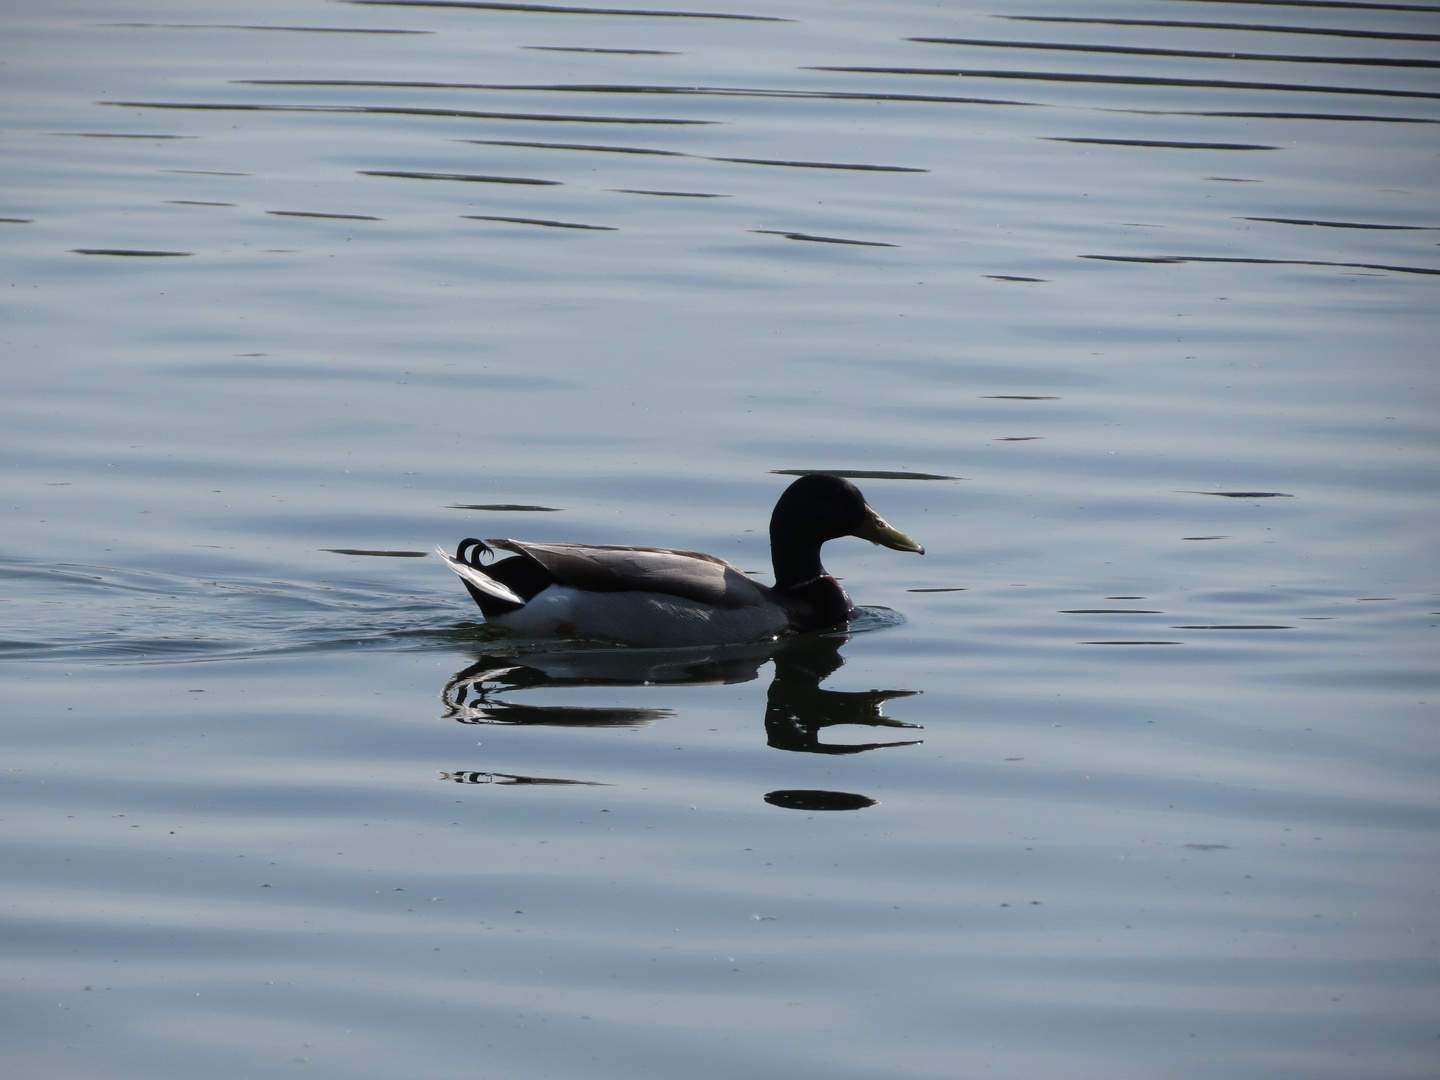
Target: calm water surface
<point>1132,775</point>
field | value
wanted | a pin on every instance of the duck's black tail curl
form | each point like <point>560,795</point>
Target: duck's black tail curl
<point>470,550</point>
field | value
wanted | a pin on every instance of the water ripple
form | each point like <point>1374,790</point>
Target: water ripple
<point>1383,35</point>
<point>561,9</point>
<point>1262,262</point>
<point>1201,54</point>
<point>1128,80</point>
<point>394,110</point>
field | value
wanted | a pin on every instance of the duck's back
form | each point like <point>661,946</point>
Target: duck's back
<point>690,575</point>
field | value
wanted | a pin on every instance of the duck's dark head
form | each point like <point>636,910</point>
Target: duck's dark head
<point>820,507</point>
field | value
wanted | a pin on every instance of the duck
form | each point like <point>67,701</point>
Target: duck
<point>661,597</point>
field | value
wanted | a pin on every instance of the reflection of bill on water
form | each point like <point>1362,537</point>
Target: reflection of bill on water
<point>472,776</point>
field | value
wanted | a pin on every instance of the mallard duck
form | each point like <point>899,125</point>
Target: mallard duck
<point>659,597</point>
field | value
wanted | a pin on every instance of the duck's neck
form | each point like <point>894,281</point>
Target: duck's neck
<point>811,598</point>
<point>794,564</point>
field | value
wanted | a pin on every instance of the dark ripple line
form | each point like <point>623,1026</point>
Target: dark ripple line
<point>294,29</point>
<point>1264,262</point>
<point>1384,35</point>
<point>378,553</point>
<point>1199,54</point>
<point>1127,80</point>
<point>1324,4</point>
<point>1280,116</point>
<point>1168,144</point>
<point>504,507</point>
<point>312,214</point>
<point>1242,494</point>
<point>113,135</point>
<point>1234,626</point>
<point>576,146</point>
<point>697,157</point>
<point>622,88</point>
<point>819,165</point>
<point>547,224</point>
<point>672,194</point>
<point>401,174</point>
<point>394,110</point>
<point>129,252</point>
<point>867,474</point>
<point>1343,224</point>
<point>822,239</point>
<point>488,5</point>
<point>1131,643</point>
<point>591,49</point>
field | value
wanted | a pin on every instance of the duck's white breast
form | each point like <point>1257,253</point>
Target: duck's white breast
<point>640,618</point>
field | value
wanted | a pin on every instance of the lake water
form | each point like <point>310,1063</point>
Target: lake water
<point>1132,775</point>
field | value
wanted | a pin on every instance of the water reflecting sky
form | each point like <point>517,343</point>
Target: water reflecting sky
<point>1124,311</point>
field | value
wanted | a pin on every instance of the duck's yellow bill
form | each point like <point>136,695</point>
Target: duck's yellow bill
<point>878,531</point>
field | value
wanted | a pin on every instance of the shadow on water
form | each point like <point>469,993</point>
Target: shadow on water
<point>798,710</point>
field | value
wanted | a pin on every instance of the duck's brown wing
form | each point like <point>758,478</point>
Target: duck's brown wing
<point>691,575</point>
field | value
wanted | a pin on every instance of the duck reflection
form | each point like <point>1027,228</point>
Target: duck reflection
<point>472,695</point>
<point>470,776</point>
<point>797,709</point>
<point>818,800</point>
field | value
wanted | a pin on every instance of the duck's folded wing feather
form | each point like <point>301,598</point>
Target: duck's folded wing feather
<point>690,575</point>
